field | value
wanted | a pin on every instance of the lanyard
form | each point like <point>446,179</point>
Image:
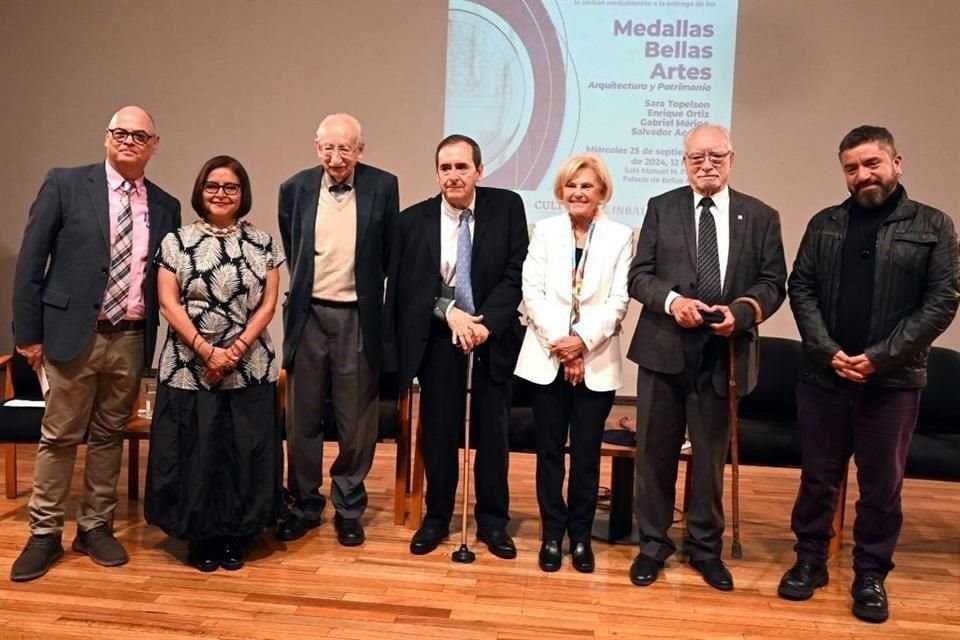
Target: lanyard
<point>577,269</point>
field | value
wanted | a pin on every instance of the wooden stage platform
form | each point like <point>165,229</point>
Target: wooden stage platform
<point>313,588</point>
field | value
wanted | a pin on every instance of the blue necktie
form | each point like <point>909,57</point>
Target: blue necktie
<point>463,287</point>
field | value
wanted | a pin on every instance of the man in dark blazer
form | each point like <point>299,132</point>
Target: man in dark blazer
<point>453,290</point>
<point>85,317</point>
<point>336,223</point>
<point>704,250</point>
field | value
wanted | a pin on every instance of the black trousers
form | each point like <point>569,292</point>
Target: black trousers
<point>876,426</point>
<point>559,410</point>
<point>443,386</point>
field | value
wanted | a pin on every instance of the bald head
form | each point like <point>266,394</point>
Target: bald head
<point>133,111</point>
<point>131,141</point>
<point>339,144</point>
<point>342,123</point>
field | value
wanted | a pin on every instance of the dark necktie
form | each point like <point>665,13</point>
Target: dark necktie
<point>121,260</point>
<point>463,285</point>
<point>708,258</point>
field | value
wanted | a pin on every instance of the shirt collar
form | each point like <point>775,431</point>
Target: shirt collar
<point>452,212</point>
<point>115,180</point>
<point>721,199</point>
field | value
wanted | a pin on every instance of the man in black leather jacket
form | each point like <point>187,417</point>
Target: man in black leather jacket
<point>874,283</point>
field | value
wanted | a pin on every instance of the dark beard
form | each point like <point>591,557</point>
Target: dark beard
<point>873,198</point>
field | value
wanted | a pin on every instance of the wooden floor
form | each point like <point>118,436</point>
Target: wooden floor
<point>314,588</point>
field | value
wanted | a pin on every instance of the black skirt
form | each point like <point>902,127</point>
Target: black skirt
<point>215,465</point>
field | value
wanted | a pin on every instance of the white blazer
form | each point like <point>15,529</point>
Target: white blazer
<point>548,297</point>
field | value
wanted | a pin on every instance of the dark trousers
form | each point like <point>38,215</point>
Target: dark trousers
<point>330,356</point>
<point>443,385</point>
<point>560,409</point>
<point>875,425</point>
<point>668,405</point>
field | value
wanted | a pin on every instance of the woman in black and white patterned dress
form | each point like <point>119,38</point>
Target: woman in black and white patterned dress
<point>214,472</point>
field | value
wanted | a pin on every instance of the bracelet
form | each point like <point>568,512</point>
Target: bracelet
<point>244,342</point>
<point>193,343</point>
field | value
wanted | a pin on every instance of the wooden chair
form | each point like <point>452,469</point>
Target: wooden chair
<point>18,424</point>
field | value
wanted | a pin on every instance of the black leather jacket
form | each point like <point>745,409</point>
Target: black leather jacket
<point>916,292</point>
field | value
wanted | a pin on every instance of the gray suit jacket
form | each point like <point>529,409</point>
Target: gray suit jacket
<point>666,260</point>
<point>64,261</point>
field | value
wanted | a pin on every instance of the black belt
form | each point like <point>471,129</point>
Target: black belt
<point>334,304</point>
<point>105,326</point>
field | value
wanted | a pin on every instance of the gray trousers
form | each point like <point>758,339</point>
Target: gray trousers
<point>666,407</point>
<point>330,360</point>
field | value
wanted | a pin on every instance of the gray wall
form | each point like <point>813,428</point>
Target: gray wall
<point>252,78</point>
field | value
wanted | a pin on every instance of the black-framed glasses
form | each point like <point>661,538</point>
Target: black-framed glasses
<point>139,137</point>
<point>229,188</point>
<point>715,157</point>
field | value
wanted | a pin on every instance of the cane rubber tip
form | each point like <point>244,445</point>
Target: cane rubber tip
<point>737,551</point>
<point>463,555</point>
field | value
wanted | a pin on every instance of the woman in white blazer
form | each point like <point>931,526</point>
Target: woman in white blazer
<point>575,294</point>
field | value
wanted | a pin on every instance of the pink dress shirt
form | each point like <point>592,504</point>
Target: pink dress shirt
<point>141,238</point>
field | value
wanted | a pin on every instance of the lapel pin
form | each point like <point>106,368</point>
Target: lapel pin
<point>739,217</point>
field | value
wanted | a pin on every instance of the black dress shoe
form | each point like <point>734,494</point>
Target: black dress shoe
<point>294,527</point>
<point>499,542</point>
<point>714,573</point>
<point>37,556</point>
<point>426,539</point>
<point>802,578</point>
<point>644,570</point>
<point>349,531</point>
<point>869,598</point>
<point>231,555</point>
<point>203,555</point>
<point>582,556</point>
<point>550,556</point>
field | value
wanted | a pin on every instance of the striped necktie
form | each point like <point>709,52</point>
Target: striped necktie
<point>708,257</point>
<point>121,260</point>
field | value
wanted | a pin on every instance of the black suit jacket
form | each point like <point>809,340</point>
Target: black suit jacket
<point>666,260</point>
<point>64,261</point>
<point>378,205</point>
<point>499,248</point>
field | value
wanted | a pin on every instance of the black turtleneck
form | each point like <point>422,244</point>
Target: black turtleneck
<point>858,263</point>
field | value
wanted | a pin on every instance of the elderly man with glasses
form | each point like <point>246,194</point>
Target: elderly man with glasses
<point>85,317</point>
<point>336,222</point>
<point>708,268</point>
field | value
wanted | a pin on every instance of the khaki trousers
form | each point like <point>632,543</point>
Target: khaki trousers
<point>98,390</point>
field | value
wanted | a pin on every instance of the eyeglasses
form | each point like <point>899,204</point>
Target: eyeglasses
<point>139,138</point>
<point>715,157</point>
<point>229,188</point>
<point>328,151</point>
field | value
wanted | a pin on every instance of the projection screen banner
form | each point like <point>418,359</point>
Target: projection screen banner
<point>534,81</point>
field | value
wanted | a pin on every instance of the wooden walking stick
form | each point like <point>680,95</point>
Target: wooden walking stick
<point>736,549</point>
<point>732,401</point>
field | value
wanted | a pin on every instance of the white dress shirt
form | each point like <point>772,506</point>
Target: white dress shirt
<point>721,218</point>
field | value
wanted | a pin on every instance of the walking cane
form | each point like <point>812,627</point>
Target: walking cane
<point>736,550</point>
<point>463,555</point>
